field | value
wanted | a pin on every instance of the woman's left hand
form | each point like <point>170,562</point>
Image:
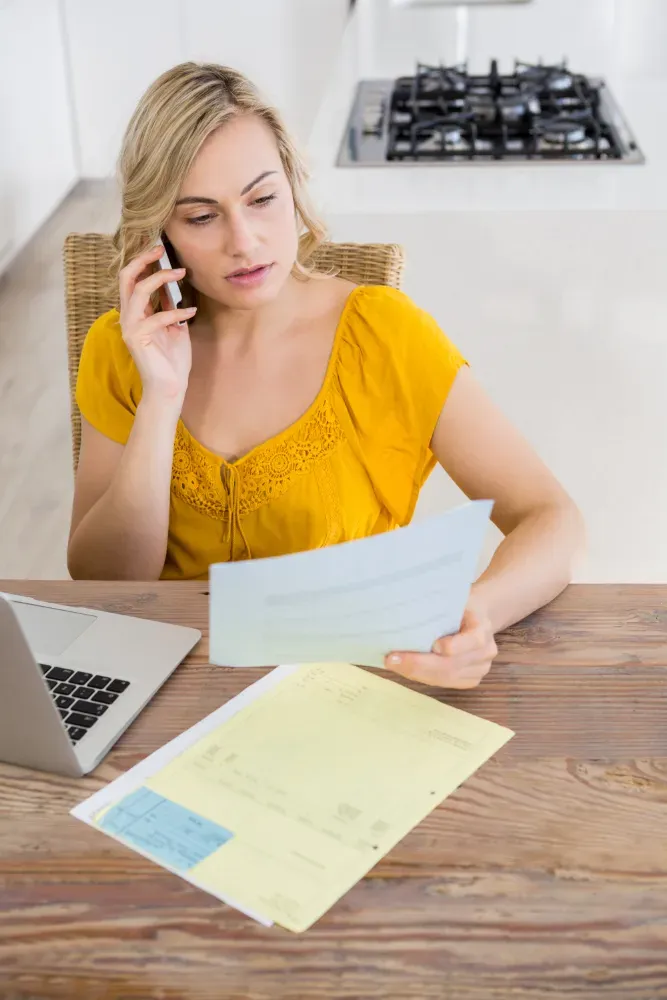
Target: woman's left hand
<point>457,661</point>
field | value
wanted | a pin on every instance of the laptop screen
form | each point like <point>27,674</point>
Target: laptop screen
<point>50,630</point>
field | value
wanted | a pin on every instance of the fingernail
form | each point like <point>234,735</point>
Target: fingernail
<point>191,310</point>
<point>437,647</point>
<point>180,270</point>
<point>394,659</point>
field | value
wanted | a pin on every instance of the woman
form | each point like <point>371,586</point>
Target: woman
<point>276,410</point>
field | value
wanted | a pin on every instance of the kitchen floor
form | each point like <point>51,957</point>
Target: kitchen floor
<point>562,315</point>
<point>35,450</point>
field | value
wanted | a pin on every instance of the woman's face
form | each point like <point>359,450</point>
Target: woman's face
<point>234,225</point>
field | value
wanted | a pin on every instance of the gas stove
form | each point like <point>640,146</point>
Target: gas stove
<point>445,115</point>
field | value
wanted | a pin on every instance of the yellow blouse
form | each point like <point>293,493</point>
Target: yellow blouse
<point>351,466</point>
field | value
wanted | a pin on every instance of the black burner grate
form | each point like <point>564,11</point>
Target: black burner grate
<point>536,112</point>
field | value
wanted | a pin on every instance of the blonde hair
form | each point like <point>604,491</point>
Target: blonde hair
<point>172,120</point>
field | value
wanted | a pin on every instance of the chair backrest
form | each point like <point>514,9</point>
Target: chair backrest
<point>87,259</point>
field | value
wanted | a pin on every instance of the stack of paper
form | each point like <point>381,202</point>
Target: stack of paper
<point>280,801</point>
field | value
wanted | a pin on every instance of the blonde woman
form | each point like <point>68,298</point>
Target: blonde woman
<point>277,411</point>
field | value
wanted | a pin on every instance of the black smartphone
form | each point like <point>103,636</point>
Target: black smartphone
<point>172,289</point>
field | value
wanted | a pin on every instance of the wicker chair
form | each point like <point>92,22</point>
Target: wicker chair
<point>87,258</point>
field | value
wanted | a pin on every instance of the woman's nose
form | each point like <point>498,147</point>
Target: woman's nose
<point>241,237</point>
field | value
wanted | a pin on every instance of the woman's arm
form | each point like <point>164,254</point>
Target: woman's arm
<point>544,534</point>
<point>488,458</point>
<point>120,518</point>
<point>532,564</point>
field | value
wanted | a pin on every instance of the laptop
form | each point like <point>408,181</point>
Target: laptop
<point>73,679</point>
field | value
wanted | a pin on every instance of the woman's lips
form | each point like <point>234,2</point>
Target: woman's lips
<point>249,278</point>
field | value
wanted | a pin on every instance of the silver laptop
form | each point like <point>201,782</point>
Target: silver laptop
<point>73,679</point>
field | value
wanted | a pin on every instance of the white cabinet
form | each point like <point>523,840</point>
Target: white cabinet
<point>314,40</point>
<point>252,37</point>
<point>72,71</point>
<point>286,47</point>
<point>37,156</point>
<point>116,50</point>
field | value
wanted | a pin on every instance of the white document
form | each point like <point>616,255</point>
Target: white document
<point>354,602</point>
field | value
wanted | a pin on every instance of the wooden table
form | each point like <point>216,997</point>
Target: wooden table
<point>544,876</point>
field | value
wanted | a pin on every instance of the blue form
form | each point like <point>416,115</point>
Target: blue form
<point>168,832</point>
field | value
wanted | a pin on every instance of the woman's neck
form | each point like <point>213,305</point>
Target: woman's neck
<point>246,327</point>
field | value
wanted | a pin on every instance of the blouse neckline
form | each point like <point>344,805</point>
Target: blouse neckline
<point>294,427</point>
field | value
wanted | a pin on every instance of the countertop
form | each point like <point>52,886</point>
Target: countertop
<point>624,41</point>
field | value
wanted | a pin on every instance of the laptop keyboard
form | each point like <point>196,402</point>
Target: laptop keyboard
<point>81,698</point>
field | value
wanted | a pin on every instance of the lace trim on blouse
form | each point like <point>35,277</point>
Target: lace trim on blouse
<point>264,474</point>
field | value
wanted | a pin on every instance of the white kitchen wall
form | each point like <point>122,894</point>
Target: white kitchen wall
<point>580,30</point>
<point>285,46</point>
<point>253,37</point>
<point>37,145</point>
<point>116,50</point>
<point>316,29</point>
<point>583,31</point>
<point>642,38</point>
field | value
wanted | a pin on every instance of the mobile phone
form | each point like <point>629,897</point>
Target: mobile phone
<point>173,291</point>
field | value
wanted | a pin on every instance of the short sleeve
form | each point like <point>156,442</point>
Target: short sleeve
<point>425,361</point>
<point>397,369</point>
<point>108,385</point>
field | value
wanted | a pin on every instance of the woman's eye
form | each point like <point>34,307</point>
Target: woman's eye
<point>201,220</point>
<point>265,200</point>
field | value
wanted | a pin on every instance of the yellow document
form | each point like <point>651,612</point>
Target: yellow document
<point>287,804</point>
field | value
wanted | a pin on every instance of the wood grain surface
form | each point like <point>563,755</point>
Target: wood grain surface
<point>544,876</point>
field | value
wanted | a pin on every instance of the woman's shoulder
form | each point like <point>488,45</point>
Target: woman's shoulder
<point>387,309</point>
<point>104,341</point>
<point>105,357</point>
<point>385,322</point>
<point>383,297</point>
<point>381,300</point>
<point>392,344</point>
<point>106,329</point>
<point>108,386</point>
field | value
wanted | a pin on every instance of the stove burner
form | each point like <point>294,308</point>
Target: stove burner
<point>514,108</point>
<point>536,112</point>
<point>554,78</point>
<point>563,131</point>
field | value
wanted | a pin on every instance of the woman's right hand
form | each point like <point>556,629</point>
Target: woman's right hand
<point>160,348</point>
